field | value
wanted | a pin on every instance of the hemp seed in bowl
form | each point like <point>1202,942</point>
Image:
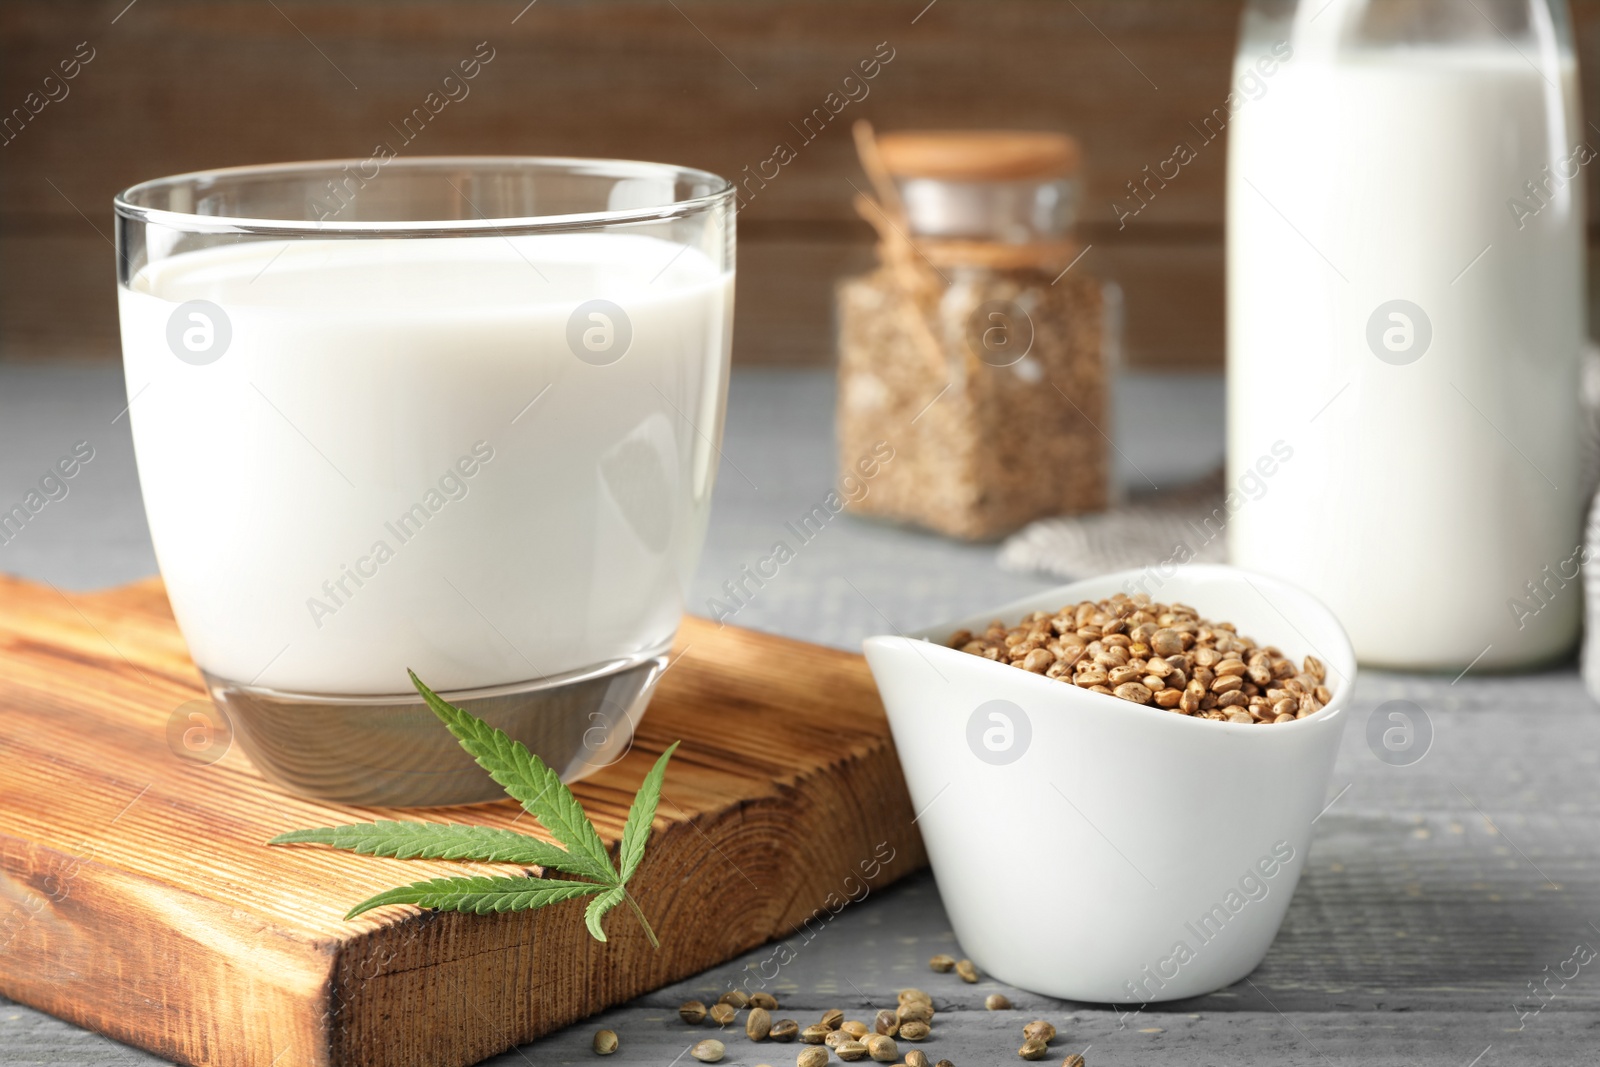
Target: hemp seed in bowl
<point>1160,655</point>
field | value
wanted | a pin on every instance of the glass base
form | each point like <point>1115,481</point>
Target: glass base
<point>391,751</point>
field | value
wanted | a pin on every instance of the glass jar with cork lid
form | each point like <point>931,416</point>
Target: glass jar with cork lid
<point>977,354</point>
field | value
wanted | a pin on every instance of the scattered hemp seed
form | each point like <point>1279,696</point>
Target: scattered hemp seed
<point>1039,1030</point>
<point>815,1034</point>
<point>764,1000</point>
<point>734,998</point>
<point>883,1049</point>
<point>758,1024</point>
<point>605,1042</point>
<point>944,1063</point>
<point>916,1058</point>
<point>886,1022</point>
<point>1033,1049</point>
<point>722,1014</point>
<point>833,1018</point>
<point>914,1011</point>
<point>812,1057</point>
<point>838,1038</point>
<point>997,1002</point>
<point>915,994</point>
<point>692,1012</point>
<point>1159,655</point>
<point>851,1050</point>
<point>968,971</point>
<point>784,1030</point>
<point>1072,1060</point>
<point>942,963</point>
<point>855,1028</point>
<point>914,1030</point>
<point>708,1051</point>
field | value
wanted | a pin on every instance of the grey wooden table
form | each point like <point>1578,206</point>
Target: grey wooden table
<point>1440,921</point>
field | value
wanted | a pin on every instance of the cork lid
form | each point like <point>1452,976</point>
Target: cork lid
<point>979,155</point>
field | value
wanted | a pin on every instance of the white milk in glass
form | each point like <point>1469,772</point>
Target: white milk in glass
<point>1423,493</point>
<point>400,461</point>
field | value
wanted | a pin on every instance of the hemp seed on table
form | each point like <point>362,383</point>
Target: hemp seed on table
<point>1161,655</point>
<point>851,1039</point>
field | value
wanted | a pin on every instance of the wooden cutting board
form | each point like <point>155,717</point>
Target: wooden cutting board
<point>137,897</point>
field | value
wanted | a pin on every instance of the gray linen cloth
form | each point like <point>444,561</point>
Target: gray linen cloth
<point>1146,529</point>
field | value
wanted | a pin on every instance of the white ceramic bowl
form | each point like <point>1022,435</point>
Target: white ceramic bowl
<point>1096,850</point>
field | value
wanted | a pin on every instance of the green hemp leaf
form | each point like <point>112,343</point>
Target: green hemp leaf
<point>527,779</point>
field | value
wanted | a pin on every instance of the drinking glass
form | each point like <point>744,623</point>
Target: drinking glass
<point>457,415</point>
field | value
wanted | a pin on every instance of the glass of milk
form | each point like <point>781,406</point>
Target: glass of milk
<point>456,416</point>
<point>1406,313</point>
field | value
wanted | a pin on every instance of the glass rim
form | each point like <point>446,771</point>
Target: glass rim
<point>126,207</point>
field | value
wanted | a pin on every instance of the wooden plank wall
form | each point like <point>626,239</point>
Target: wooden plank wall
<point>177,85</point>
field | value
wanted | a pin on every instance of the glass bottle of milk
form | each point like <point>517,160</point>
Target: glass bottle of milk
<point>1405,319</point>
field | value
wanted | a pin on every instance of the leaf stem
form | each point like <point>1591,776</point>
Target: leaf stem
<point>651,934</point>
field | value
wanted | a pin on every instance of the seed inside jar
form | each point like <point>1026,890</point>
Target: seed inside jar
<point>1159,655</point>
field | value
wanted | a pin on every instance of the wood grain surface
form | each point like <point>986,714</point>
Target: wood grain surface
<point>1432,927</point>
<point>178,86</point>
<point>137,897</point>
<point>710,83</point>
